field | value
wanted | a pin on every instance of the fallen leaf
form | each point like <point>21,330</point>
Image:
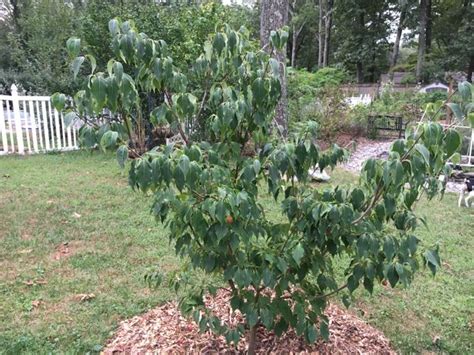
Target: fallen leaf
<point>36,303</point>
<point>76,215</point>
<point>82,297</point>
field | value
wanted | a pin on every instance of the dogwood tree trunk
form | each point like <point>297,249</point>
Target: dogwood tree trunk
<point>273,16</point>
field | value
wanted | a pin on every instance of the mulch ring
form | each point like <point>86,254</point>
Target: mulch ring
<point>165,330</point>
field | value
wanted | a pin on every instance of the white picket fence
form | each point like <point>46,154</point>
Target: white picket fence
<point>359,100</point>
<point>30,124</point>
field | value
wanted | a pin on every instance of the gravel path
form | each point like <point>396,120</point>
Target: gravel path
<point>366,149</point>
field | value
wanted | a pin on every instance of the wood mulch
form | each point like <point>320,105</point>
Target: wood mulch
<point>165,330</point>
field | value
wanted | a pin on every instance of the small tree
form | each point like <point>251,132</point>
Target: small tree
<point>280,273</point>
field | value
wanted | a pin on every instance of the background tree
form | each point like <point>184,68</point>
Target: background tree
<point>423,20</point>
<point>361,37</point>
<point>274,16</point>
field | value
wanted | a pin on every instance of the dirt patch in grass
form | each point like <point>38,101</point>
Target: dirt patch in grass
<point>66,249</point>
<point>164,329</point>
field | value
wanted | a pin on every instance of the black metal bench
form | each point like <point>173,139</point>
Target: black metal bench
<point>388,123</point>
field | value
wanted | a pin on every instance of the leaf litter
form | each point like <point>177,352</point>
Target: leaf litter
<point>164,330</point>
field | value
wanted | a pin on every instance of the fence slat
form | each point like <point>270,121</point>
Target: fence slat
<point>51,124</point>
<point>45,125</point>
<point>16,115</point>
<point>10,125</point>
<point>58,128</point>
<point>3,129</point>
<point>33,126</point>
<point>27,125</point>
<point>40,130</point>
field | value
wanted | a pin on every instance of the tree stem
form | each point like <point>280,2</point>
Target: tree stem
<point>252,340</point>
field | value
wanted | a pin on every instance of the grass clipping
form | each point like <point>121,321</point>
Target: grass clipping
<point>164,329</point>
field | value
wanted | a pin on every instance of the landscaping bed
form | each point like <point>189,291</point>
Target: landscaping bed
<point>164,329</point>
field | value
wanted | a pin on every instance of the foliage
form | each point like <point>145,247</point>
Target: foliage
<point>280,273</point>
<point>408,104</point>
<point>464,109</point>
<point>34,48</point>
<point>32,41</point>
<point>361,38</point>
<point>184,27</point>
<point>307,81</point>
<point>317,97</point>
<point>115,241</point>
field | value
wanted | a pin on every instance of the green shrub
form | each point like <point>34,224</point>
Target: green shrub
<point>408,78</point>
<point>317,97</point>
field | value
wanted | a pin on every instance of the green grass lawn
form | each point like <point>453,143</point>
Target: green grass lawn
<point>70,226</point>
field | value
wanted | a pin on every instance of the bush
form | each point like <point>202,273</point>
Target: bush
<point>408,78</point>
<point>316,97</point>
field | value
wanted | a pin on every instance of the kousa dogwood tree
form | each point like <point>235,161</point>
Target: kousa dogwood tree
<point>279,273</point>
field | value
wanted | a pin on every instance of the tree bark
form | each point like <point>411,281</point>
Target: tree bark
<point>293,46</point>
<point>320,35</point>
<point>252,340</point>
<point>359,64</point>
<point>360,72</point>
<point>396,46</point>
<point>273,16</point>
<point>470,69</point>
<point>421,40</point>
<point>327,32</point>
<point>294,43</point>
<point>429,25</point>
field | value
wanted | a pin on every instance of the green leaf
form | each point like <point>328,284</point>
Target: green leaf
<point>76,65</point>
<point>108,139</point>
<point>392,275</point>
<point>432,260</point>
<point>424,152</point>
<point>122,155</point>
<point>179,178</point>
<point>258,91</point>
<point>251,318</point>
<point>92,61</point>
<point>159,115</point>
<point>99,90</point>
<point>389,248</point>
<point>311,334</point>
<point>114,27</point>
<point>73,46</point>
<point>298,253</point>
<point>70,118</point>
<point>464,89</point>
<point>452,141</point>
<point>357,198</point>
<point>219,43</point>
<point>324,329</point>
<point>352,283</point>
<point>456,110</point>
<point>58,100</point>
<point>118,71</point>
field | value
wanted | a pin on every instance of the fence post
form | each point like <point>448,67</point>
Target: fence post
<point>17,118</point>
